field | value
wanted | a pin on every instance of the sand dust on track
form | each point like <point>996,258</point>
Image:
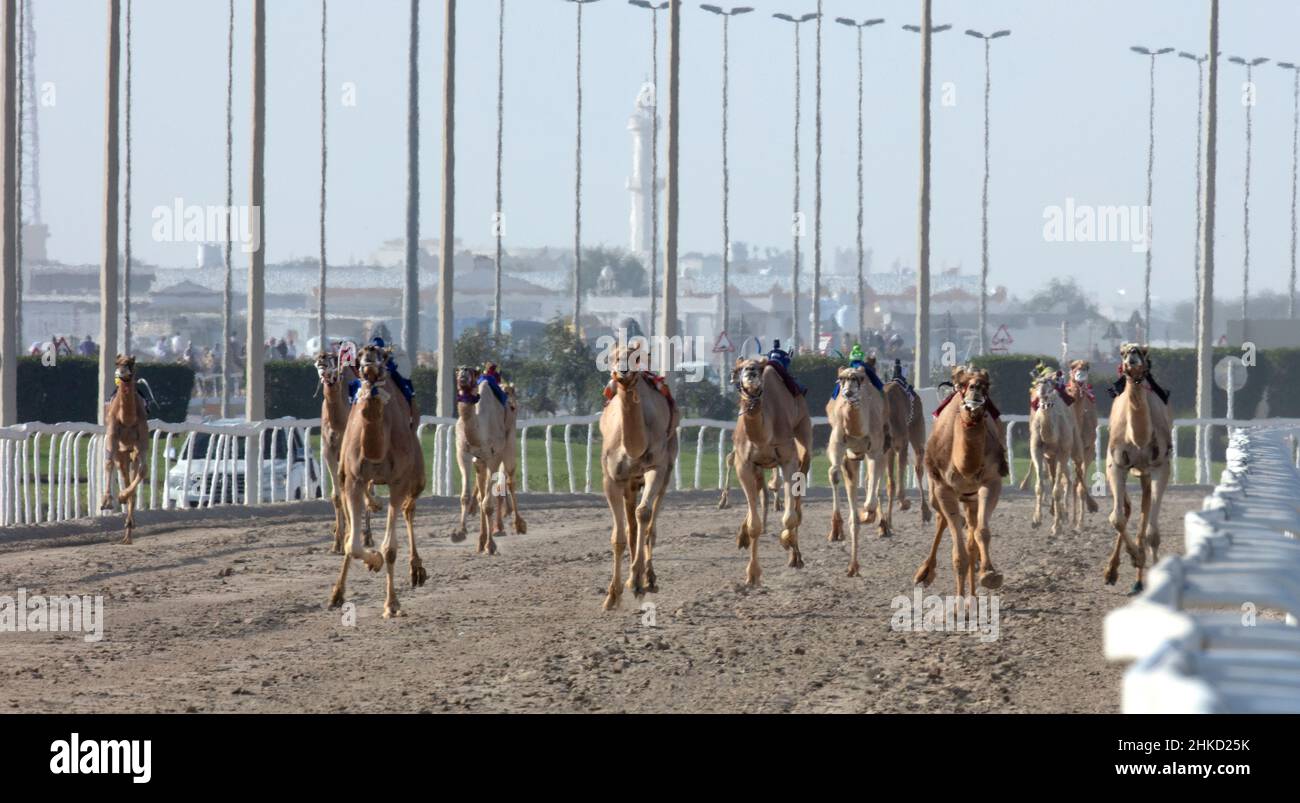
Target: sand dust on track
<point>227,614</point>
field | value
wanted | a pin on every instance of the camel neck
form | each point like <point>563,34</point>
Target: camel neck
<point>1139,414</point>
<point>335,410</point>
<point>126,402</point>
<point>968,445</point>
<point>634,435</point>
<point>374,444</point>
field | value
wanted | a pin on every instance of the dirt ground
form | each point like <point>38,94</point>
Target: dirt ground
<point>227,614</point>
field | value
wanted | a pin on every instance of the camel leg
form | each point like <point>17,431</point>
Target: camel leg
<point>878,467</point>
<point>466,464</point>
<point>1058,469</point>
<point>372,506</point>
<point>903,502</point>
<point>835,453</point>
<point>774,486</point>
<point>1118,518</point>
<point>418,573</point>
<point>656,482</point>
<point>920,484</point>
<point>336,595</point>
<point>650,535</point>
<point>724,498</point>
<point>1160,483</point>
<point>483,491</point>
<point>1036,459</point>
<point>989,494</point>
<point>106,501</point>
<point>389,550</point>
<point>1144,525</point>
<point>336,499</point>
<point>925,574</point>
<point>950,509</point>
<point>972,548</point>
<point>496,482</point>
<point>128,496</point>
<point>354,495</point>
<point>792,517</point>
<point>751,482</point>
<point>521,527</point>
<point>855,526</point>
<point>634,536</point>
<point>617,541</point>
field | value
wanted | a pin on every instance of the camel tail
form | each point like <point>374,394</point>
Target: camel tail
<point>1024,483</point>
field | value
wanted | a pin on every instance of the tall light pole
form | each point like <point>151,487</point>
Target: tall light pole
<point>1248,100</point>
<point>1295,141</point>
<point>726,175</point>
<point>411,277</point>
<point>498,227</point>
<point>577,181</point>
<point>227,288</point>
<point>320,301</point>
<point>668,328</point>
<point>1151,157</point>
<point>1205,312</point>
<point>447,237</point>
<point>859,26</point>
<point>108,276</point>
<point>796,221</point>
<point>126,195</point>
<point>921,369</point>
<point>984,195</point>
<point>654,9</point>
<point>9,334</point>
<point>815,325</point>
<point>1200,114</point>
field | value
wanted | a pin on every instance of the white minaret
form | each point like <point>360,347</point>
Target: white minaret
<point>642,185</point>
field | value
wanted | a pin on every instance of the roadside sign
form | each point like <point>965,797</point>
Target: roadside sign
<point>723,344</point>
<point>1001,339</point>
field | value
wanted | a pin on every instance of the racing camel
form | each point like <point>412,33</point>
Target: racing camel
<point>857,422</point>
<point>774,430</point>
<point>638,431</point>
<point>485,451</point>
<point>1140,444</point>
<point>965,461</point>
<point>379,446</point>
<point>904,427</point>
<point>1053,443</point>
<point>126,433</point>
<point>1085,423</point>
<point>334,419</point>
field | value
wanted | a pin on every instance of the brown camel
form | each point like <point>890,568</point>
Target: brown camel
<point>334,419</point>
<point>638,431</point>
<point>904,426</point>
<point>1140,444</point>
<point>1053,443</point>
<point>485,451</point>
<point>379,446</point>
<point>1085,423</point>
<point>965,461</point>
<point>774,431</point>
<point>126,434</point>
<point>856,416</point>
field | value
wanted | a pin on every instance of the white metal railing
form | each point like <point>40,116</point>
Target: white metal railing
<point>55,472</point>
<point>1203,636</point>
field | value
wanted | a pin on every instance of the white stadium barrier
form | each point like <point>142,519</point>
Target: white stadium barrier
<point>1200,637</point>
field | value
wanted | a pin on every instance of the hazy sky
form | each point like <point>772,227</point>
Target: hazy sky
<point>1069,121</point>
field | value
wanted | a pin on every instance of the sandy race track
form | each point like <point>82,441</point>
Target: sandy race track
<point>227,614</point>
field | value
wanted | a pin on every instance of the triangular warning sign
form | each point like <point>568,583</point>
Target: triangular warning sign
<point>723,344</point>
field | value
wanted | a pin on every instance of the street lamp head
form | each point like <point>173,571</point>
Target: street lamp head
<point>855,24</point>
<point>912,28</point>
<point>1140,49</point>
<point>974,33</point>
<point>933,28</point>
<point>1236,59</point>
<point>804,18</point>
<point>1164,50</point>
<point>1198,59</point>
<point>1286,65</point>
<point>1000,34</point>
<point>1258,61</point>
<point>713,9</point>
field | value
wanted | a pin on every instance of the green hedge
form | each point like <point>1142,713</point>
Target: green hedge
<point>291,389</point>
<point>68,390</point>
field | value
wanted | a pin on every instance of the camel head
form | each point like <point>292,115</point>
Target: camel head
<point>748,376</point>
<point>1135,362</point>
<point>1079,370</point>
<point>626,366</point>
<point>372,363</point>
<point>327,368</point>
<point>1045,390</point>
<point>850,381</point>
<point>466,380</point>
<point>972,385</point>
<point>125,370</point>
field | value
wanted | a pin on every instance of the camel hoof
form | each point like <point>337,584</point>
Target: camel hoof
<point>752,578</point>
<point>373,560</point>
<point>392,612</point>
<point>867,517</point>
<point>926,515</point>
<point>742,540</point>
<point>837,528</point>
<point>724,502</point>
<point>991,580</point>
<point>612,599</point>
<point>1092,505</point>
<point>457,536</point>
<point>796,559</point>
<point>491,547</point>
<point>651,582</point>
<point>884,531</point>
<point>336,598</point>
<point>1136,589</point>
<point>336,548</point>
<point>106,503</point>
<point>1035,524</point>
<point>924,576</point>
<point>1112,574</point>
<point>520,527</point>
<point>853,569</point>
<point>373,507</point>
<point>418,575</point>
<point>904,504</point>
<point>126,540</point>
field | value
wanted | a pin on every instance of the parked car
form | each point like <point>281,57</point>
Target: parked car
<point>282,456</point>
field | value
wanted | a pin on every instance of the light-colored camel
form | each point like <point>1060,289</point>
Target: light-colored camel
<point>965,462</point>
<point>1140,444</point>
<point>334,419</point>
<point>379,446</point>
<point>126,433</point>
<point>486,453</point>
<point>638,431</point>
<point>1085,423</point>
<point>774,431</point>
<point>857,416</point>
<point>904,427</point>
<point>1053,443</point>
